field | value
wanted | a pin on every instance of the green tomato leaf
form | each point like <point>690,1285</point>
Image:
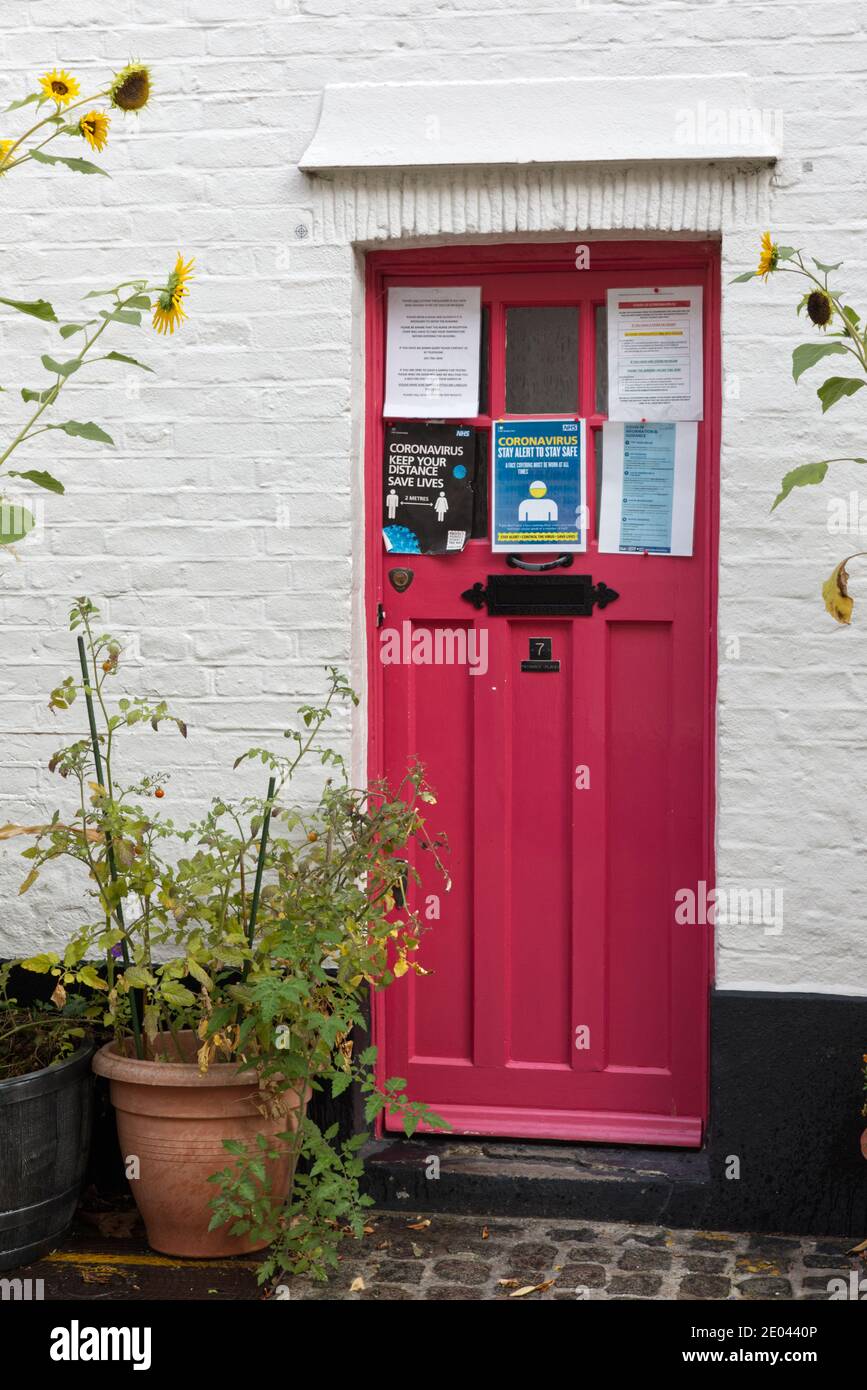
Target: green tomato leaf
<point>808,354</point>
<point>40,965</point>
<point>835,388</point>
<point>37,308</point>
<point>83,429</point>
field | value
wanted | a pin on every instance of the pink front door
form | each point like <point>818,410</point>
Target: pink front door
<point>564,1001</point>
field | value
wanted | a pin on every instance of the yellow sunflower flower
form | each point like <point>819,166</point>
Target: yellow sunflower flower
<point>94,127</point>
<point>768,258</point>
<point>131,88</point>
<point>5,147</point>
<point>167,308</point>
<point>59,86</point>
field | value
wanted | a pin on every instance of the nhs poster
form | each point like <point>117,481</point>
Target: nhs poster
<point>539,485</point>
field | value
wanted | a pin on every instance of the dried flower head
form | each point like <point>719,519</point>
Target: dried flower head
<point>131,88</point>
<point>819,308</point>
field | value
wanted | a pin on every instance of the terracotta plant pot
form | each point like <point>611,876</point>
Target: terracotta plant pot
<point>173,1119</point>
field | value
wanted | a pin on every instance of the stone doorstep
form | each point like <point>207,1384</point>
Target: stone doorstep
<point>503,1178</point>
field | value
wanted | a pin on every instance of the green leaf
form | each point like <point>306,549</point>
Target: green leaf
<point>60,368</point>
<point>747,275</point>
<point>40,396</point>
<point>41,479</point>
<point>121,315</point>
<point>25,101</point>
<point>85,429</point>
<point>850,314</point>
<point>808,354</point>
<point>15,523</point>
<point>835,388</point>
<point>69,328</point>
<point>340,1083</point>
<point>81,166</point>
<point>826,269</point>
<point>785,253</point>
<point>805,475</point>
<point>88,976</point>
<point>178,995</point>
<point>133,361</point>
<point>37,308</point>
<point>139,301</point>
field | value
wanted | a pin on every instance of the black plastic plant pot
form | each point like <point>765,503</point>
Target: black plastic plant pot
<point>45,1120</point>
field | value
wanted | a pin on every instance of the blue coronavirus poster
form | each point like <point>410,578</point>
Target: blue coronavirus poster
<point>538,493</point>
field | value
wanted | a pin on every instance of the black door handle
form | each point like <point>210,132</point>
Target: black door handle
<point>562,562</point>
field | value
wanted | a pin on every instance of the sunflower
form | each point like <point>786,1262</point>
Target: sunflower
<point>167,309</point>
<point>768,257</point>
<point>5,147</point>
<point>59,86</point>
<point>131,88</point>
<point>94,127</point>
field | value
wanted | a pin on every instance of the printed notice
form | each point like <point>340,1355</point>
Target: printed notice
<point>427,488</point>
<point>432,352</point>
<point>648,488</point>
<point>655,354</point>
<point>538,491</point>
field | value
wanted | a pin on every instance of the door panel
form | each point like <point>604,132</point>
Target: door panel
<point>564,1001</point>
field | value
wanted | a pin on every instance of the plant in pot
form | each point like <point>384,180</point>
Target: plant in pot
<point>199,952</point>
<point>45,1118</point>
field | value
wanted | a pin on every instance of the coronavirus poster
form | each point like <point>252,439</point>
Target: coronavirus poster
<point>427,488</point>
<point>539,485</point>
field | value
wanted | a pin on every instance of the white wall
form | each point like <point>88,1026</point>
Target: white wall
<point>205,531</point>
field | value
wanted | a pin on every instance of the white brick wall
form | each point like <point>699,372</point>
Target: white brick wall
<point>203,530</point>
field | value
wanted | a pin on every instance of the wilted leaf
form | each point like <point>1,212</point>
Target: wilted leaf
<point>29,881</point>
<point>357,1285</point>
<point>88,976</point>
<point>835,592</point>
<point>419,1225</point>
<point>58,995</point>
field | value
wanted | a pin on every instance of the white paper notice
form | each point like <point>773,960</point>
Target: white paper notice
<point>655,354</point>
<point>432,352</point>
<point>648,488</point>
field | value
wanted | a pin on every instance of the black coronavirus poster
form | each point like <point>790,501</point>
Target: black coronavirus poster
<point>427,488</point>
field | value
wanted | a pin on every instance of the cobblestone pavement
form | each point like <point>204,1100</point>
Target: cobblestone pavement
<point>466,1257</point>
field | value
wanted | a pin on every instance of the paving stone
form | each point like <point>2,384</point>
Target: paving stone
<point>589,1275</point>
<point>704,1286</point>
<point>774,1245</point>
<point>703,1264</point>
<point>463,1271</point>
<point>765,1286</point>
<point>712,1240</point>
<point>653,1238</point>
<point>641,1258</point>
<point>450,1293</point>
<point>638,1285</point>
<point>561,1233</point>
<point>381,1293</point>
<point>400,1272</point>
<point>821,1281</point>
<point>828,1262</point>
<point>838,1247</point>
<point>757,1264</point>
<point>530,1256</point>
<point>598,1253</point>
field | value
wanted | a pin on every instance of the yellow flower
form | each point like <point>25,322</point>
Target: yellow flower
<point>5,147</point>
<point>167,309</point>
<point>94,127</point>
<point>131,88</point>
<point>59,86</point>
<point>768,257</point>
<point>835,592</point>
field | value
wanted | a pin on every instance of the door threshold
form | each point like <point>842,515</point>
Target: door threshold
<point>499,1177</point>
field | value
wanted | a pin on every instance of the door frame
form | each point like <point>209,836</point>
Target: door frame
<point>452,261</point>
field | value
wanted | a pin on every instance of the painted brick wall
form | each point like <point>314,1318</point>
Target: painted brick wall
<point>220,530</point>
